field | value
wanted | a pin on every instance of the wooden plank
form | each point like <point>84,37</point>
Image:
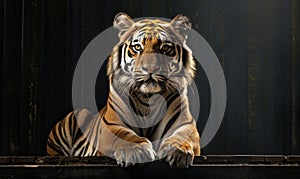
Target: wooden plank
<point>205,167</point>
<point>279,160</point>
<point>151,171</point>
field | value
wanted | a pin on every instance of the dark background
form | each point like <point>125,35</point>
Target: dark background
<point>256,41</point>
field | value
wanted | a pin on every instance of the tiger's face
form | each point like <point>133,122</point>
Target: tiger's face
<point>152,56</point>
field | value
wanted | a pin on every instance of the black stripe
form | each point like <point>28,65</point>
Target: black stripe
<point>120,133</point>
<point>120,55</point>
<point>54,147</point>
<point>114,109</point>
<point>84,151</point>
<point>184,57</point>
<point>171,98</point>
<point>114,124</point>
<point>141,132</point>
<point>186,123</point>
<point>81,143</point>
<point>119,114</point>
<point>130,56</point>
<point>127,125</point>
<point>178,47</point>
<point>97,125</point>
<point>144,40</point>
<point>114,105</point>
<point>52,144</point>
<point>74,123</point>
<point>58,141</point>
<point>76,129</point>
<point>77,135</point>
<point>152,131</point>
<point>72,127</point>
<point>139,100</point>
<point>171,122</point>
<point>124,46</point>
<point>134,107</point>
<point>60,131</point>
<point>108,123</point>
<point>64,132</point>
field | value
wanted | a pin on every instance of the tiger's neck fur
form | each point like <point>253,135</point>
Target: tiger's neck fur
<point>134,111</point>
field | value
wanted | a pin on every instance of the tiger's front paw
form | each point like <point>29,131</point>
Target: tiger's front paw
<point>178,156</point>
<point>131,153</point>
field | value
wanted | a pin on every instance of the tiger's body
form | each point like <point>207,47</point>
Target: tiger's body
<point>147,114</point>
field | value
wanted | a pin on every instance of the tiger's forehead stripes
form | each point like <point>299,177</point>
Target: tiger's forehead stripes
<point>156,27</point>
<point>153,32</point>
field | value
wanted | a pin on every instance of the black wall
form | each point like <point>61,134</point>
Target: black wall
<point>257,43</point>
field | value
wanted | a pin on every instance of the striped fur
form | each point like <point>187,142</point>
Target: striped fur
<point>147,114</point>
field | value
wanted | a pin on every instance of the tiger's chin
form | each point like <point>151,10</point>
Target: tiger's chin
<point>150,88</point>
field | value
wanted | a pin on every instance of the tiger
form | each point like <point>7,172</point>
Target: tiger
<point>147,115</point>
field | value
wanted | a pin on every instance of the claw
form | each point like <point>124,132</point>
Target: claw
<point>129,155</point>
<point>176,155</point>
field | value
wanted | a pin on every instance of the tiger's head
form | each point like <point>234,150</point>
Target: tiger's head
<point>152,56</point>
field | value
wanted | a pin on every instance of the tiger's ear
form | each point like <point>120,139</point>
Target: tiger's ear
<point>122,23</point>
<point>181,24</point>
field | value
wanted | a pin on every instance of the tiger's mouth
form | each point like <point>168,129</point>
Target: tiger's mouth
<point>150,85</point>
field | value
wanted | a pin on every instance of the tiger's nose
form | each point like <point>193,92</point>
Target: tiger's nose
<point>151,69</point>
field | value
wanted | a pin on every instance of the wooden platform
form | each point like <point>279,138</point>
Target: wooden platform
<point>102,167</point>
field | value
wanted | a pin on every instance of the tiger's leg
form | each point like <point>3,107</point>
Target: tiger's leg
<point>125,145</point>
<point>179,150</point>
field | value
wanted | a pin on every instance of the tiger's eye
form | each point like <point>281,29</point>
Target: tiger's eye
<point>137,47</point>
<point>165,47</point>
